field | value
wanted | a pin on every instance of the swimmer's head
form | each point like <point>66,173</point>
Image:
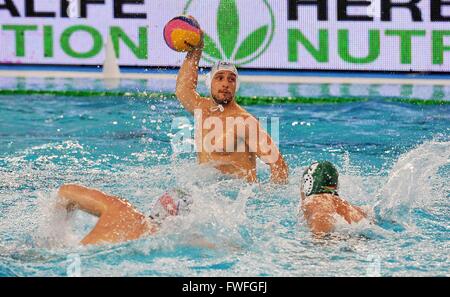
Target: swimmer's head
<point>223,82</point>
<point>319,178</point>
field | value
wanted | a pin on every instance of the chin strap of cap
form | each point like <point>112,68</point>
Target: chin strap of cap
<point>217,107</point>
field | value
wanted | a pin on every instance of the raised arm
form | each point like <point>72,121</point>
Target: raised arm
<point>187,81</point>
<point>88,200</point>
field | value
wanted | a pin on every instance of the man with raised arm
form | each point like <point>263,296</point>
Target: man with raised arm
<point>226,135</point>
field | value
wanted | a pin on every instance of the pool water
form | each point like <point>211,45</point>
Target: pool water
<point>393,158</point>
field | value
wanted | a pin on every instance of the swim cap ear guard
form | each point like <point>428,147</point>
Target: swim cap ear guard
<point>320,177</point>
<point>220,66</point>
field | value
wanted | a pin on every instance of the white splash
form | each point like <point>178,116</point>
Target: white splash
<point>414,181</point>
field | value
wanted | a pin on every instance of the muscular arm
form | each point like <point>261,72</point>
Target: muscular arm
<point>268,152</point>
<point>88,200</point>
<point>349,212</point>
<point>187,81</point>
<point>118,220</point>
<point>279,171</point>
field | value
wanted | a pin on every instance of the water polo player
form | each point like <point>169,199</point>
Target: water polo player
<point>118,220</point>
<point>320,201</point>
<point>232,149</point>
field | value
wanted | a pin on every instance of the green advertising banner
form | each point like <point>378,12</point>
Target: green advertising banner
<point>387,35</point>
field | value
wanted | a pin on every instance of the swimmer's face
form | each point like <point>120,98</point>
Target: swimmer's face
<point>223,86</point>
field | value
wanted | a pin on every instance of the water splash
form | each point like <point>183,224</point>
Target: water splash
<point>414,182</point>
<point>252,226</point>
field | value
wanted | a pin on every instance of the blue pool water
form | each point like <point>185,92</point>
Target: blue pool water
<point>393,159</point>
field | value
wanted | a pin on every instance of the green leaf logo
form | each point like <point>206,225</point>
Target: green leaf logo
<point>211,48</point>
<point>226,41</point>
<point>228,26</point>
<point>252,43</point>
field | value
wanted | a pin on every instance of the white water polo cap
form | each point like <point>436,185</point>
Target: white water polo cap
<point>172,203</point>
<point>221,66</point>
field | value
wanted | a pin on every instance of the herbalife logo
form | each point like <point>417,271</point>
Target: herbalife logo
<point>230,35</point>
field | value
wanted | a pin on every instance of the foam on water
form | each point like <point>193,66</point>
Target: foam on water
<point>241,220</point>
<point>256,229</point>
<point>414,182</point>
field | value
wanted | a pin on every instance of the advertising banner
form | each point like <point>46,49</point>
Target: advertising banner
<point>383,35</point>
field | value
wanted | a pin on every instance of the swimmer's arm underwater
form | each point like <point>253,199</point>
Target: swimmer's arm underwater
<point>187,81</point>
